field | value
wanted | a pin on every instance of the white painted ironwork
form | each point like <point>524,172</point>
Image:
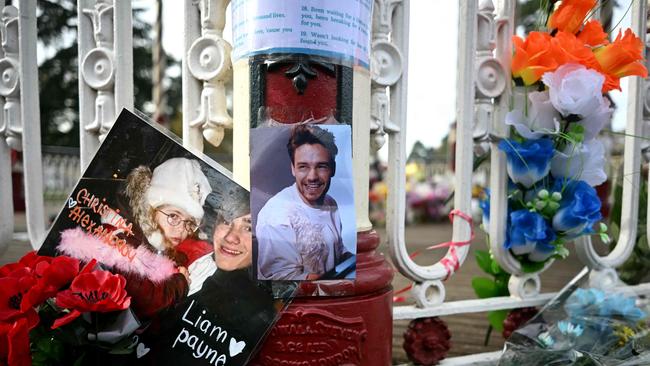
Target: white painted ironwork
<point>483,98</point>
<point>19,95</point>
<point>105,69</point>
<point>386,67</point>
<point>206,69</point>
<point>631,168</point>
<point>9,25</point>
<point>429,289</point>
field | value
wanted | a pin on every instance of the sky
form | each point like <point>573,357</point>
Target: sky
<point>431,103</point>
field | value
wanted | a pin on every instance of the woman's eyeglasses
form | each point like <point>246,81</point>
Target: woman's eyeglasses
<point>174,219</point>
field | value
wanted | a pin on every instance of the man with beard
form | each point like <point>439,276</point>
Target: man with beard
<point>299,229</point>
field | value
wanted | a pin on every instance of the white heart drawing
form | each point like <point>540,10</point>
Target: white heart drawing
<point>235,347</point>
<point>71,202</point>
<point>141,350</point>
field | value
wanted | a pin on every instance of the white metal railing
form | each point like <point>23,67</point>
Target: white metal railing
<point>105,39</point>
<point>483,99</point>
<point>485,28</point>
<point>18,96</point>
<point>61,171</point>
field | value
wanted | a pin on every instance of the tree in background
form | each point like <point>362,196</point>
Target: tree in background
<point>58,71</point>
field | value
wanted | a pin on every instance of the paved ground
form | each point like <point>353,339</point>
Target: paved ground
<point>468,330</point>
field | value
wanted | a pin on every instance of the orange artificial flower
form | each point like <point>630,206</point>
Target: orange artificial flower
<point>621,58</point>
<point>567,48</point>
<point>593,34</point>
<point>532,57</point>
<point>568,17</point>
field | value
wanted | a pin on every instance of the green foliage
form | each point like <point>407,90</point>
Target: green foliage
<point>486,287</point>
<point>496,318</point>
<point>491,287</point>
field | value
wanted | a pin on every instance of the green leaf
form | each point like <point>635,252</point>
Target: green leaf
<point>496,319</point>
<point>501,282</point>
<point>483,260</point>
<point>561,252</point>
<point>484,287</point>
<point>496,269</point>
<point>530,267</point>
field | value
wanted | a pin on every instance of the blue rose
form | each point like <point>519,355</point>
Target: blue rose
<point>528,162</point>
<point>544,249</point>
<point>579,208</point>
<point>527,230</point>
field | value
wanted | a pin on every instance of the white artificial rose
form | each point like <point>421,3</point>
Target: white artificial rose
<point>574,89</point>
<point>593,123</point>
<point>542,117</point>
<point>584,161</point>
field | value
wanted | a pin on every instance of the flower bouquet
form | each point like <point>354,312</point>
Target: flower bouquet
<point>52,312</point>
<point>554,156</point>
<point>583,326</point>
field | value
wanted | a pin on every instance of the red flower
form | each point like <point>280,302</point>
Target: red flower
<point>14,343</point>
<point>30,260</point>
<point>12,291</point>
<point>51,277</point>
<point>99,291</point>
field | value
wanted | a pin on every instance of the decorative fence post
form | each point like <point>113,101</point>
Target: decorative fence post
<point>603,268</point>
<point>206,68</point>
<point>522,285</point>
<point>105,69</point>
<point>19,92</point>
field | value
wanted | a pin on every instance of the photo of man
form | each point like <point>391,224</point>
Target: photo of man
<point>299,230</point>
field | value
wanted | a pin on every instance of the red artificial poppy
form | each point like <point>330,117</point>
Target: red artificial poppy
<point>51,277</point>
<point>12,291</point>
<point>30,260</point>
<point>14,343</point>
<point>99,291</point>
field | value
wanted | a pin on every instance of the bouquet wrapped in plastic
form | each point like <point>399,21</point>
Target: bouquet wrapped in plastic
<point>584,326</point>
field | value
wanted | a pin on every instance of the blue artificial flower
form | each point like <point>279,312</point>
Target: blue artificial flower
<point>546,339</point>
<point>595,302</point>
<point>579,208</point>
<point>484,204</point>
<point>543,250</point>
<point>584,302</point>
<point>570,329</point>
<point>527,162</point>
<point>618,304</point>
<point>526,230</point>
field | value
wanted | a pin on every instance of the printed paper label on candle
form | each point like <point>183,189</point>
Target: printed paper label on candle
<point>336,29</point>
